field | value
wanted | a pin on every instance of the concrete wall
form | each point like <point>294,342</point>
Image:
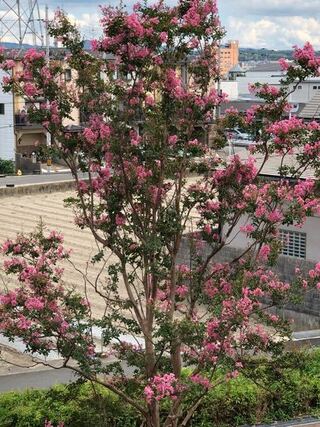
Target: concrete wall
<point>311,227</point>
<point>306,91</point>
<point>50,187</point>
<point>306,314</point>
<point>231,89</point>
<point>243,82</point>
<point>7,136</point>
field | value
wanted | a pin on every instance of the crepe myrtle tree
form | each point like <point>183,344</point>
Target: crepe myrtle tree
<point>143,135</point>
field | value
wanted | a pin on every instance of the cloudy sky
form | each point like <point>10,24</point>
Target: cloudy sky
<point>275,24</point>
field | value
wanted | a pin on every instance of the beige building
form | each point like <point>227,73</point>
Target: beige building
<point>229,57</point>
<point>30,136</point>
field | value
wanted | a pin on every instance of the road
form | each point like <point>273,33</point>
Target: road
<point>44,378</point>
<point>37,179</point>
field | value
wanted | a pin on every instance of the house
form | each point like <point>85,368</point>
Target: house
<point>7,136</point>
<point>30,136</point>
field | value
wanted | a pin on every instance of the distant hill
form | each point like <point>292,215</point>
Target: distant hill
<point>246,53</point>
<point>9,45</point>
<point>249,54</point>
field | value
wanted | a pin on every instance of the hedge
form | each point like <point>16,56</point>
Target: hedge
<point>265,392</point>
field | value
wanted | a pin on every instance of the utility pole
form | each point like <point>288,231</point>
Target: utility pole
<point>47,35</point>
<point>219,79</point>
<point>48,136</point>
<point>19,24</point>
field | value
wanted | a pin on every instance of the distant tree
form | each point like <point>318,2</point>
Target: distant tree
<point>143,136</point>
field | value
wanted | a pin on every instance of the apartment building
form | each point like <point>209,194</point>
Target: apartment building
<point>30,136</point>
<point>229,57</point>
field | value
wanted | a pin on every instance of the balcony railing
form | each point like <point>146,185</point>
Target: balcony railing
<point>22,120</point>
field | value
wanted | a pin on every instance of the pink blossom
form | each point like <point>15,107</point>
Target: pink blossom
<point>275,216</point>
<point>163,37</point>
<point>150,100</point>
<point>34,303</point>
<point>182,291</point>
<point>135,25</point>
<point>90,136</point>
<point>105,131</point>
<point>203,381</point>
<point>264,252</point>
<point>33,55</point>
<point>172,140</point>
<point>247,228</point>
<point>30,89</point>
<point>207,229</point>
<point>284,64</point>
<point>161,386</point>
<point>120,219</point>
<point>95,45</point>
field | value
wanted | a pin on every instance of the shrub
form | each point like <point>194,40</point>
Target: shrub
<point>275,391</point>
<point>7,167</point>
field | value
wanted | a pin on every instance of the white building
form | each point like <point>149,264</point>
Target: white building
<point>302,243</point>
<point>7,135</point>
<point>230,88</point>
<point>269,73</point>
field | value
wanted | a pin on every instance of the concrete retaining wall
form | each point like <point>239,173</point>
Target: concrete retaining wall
<point>305,314</point>
<point>48,187</point>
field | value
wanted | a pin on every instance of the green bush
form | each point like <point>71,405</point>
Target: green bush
<point>265,392</point>
<point>77,405</point>
<point>7,167</point>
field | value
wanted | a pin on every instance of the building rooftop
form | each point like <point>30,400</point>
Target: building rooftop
<point>312,109</point>
<point>271,168</point>
<point>236,69</point>
<point>267,66</point>
<point>243,103</point>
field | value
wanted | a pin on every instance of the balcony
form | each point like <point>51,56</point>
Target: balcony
<point>21,121</point>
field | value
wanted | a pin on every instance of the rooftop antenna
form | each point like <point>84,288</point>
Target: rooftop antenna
<point>21,23</point>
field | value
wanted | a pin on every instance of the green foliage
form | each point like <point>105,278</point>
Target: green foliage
<point>77,405</point>
<point>7,167</point>
<point>265,392</point>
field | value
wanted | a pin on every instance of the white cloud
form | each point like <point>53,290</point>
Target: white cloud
<point>276,33</point>
<point>88,24</point>
<point>270,7</point>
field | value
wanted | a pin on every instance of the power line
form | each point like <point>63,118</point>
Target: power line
<point>20,22</point>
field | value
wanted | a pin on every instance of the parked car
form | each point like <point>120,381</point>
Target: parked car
<point>238,137</point>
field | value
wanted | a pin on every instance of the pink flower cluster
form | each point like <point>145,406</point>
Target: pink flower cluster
<point>161,386</point>
<point>40,312</point>
<point>307,56</point>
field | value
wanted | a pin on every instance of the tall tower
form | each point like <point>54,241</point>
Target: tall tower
<point>21,23</point>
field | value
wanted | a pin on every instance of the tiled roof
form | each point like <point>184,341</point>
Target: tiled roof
<point>268,66</point>
<point>312,109</point>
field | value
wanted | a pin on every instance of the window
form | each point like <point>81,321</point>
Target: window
<point>2,109</point>
<point>314,87</point>
<point>294,243</point>
<point>299,87</point>
<point>67,74</point>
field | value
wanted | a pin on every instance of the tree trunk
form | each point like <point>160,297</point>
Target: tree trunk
<point>154,415</point>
